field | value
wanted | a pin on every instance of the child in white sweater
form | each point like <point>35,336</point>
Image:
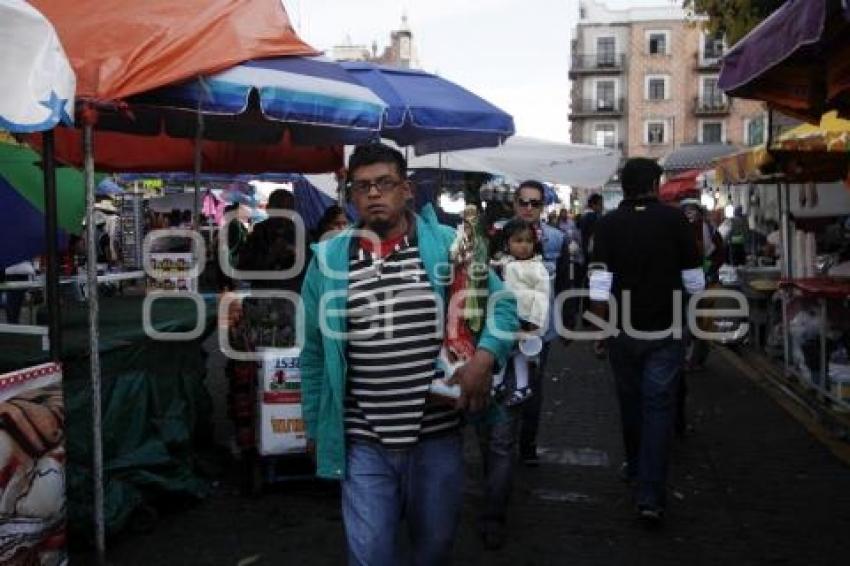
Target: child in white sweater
<point>522,269</point>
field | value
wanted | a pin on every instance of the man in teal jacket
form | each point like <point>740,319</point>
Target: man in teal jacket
<point>374,302</point>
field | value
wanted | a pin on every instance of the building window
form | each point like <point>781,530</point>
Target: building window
<point>605,135</point>
<point>656,87</point>
<point>754,131</point>
<point>712,97</point>
<point>657,42</point>
<point>656,132</point>
<point>605,95</point>
<point>711,132</point>
<point>606,54</point>
<point>712,47</point>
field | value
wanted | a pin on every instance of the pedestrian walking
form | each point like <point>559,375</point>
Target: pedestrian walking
<point>646,257</point>
<point>528,206</point>
<point>498,439</point>
<point>373,301</point>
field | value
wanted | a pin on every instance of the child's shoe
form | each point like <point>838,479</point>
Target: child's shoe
<point>518,397</point>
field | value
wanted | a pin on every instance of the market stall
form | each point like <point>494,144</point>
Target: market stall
<point>38,94</point>
<point>164,45</point>
<point>806,166</point>
<point>156,408</point>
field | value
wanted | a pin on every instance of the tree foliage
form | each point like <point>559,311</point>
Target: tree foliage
<point>732,18</point>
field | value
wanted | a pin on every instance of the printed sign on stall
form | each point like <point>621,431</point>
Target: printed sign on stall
<point>172,272</point>
<point>281,426</point>
<point>32,466</point>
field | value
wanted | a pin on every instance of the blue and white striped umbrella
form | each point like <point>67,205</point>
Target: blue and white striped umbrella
<point>314,98</point>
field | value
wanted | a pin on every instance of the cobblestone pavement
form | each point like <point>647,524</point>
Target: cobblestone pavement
<point>748,486</point>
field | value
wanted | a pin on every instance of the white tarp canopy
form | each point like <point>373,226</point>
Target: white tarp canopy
<point>38,82</point>
<point>521,158</point>
<point>518,159</point>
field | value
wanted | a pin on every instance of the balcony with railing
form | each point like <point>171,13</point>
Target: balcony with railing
<point>709,60</point>
<point>711,105</point>
<point>597,107</point>
<point>597,63</point>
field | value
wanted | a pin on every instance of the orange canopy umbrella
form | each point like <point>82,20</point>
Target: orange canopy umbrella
<point>119,48</point>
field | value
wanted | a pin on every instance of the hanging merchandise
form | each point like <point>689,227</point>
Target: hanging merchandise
<point>132,208</point>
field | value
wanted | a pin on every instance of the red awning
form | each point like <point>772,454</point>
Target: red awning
<point>117,152</point>
<point>119,48</point>
<point>682,186</point>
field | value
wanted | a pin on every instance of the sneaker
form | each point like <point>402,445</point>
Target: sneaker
<point>651,515</point>
<point>518,397</point>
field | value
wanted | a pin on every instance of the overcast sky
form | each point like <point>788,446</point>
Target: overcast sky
<point>514,53</point>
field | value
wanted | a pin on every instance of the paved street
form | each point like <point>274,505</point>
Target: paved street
<point>749,486</point>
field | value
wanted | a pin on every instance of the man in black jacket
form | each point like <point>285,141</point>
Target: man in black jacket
<point>645,256</point>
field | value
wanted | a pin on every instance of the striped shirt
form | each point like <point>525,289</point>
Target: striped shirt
<point>394,338</point>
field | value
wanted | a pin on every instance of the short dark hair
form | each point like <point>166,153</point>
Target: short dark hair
<point>372,153</point>
<point>640,176</point>
<point>517,226</point>
<point>281,199</point>
<point>594,199</point>
<point>329,216</point>
<point>531,184</point>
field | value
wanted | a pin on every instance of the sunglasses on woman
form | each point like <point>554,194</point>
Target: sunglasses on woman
<point>530,203</point>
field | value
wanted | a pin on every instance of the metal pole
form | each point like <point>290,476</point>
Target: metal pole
<point>94,353</point>
<point>341,197</point>
<point>440,177</point>
<point>54,322</point>
<point>823,378</point>
<point>199,146</point>
<point>785,219</point>
<point>784,206</point>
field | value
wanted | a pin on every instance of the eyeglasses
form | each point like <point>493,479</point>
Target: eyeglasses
<point>383,184</point>
<point>532,203</point>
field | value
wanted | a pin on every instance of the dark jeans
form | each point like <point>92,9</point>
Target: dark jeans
<point>498,453</point>
<point>14,301</point>
<point>423,484</point>
<point>531,409</point>
<point>647,374</point>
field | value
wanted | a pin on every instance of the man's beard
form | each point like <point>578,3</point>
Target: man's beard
<point>380,226</point>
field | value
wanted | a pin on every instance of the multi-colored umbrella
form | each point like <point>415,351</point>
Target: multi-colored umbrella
<point>22,204</point>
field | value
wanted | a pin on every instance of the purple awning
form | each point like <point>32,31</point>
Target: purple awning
<point>788,59</point>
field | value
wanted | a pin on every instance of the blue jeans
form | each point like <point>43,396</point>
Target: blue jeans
<point>423,484</point>
<point>498,453</point>
<point>647,376</point>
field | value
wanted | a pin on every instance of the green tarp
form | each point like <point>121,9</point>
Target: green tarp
<point>156,410</point>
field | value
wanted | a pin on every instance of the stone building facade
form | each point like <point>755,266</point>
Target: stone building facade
<point>401,51</point>
<point>644,80</point>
